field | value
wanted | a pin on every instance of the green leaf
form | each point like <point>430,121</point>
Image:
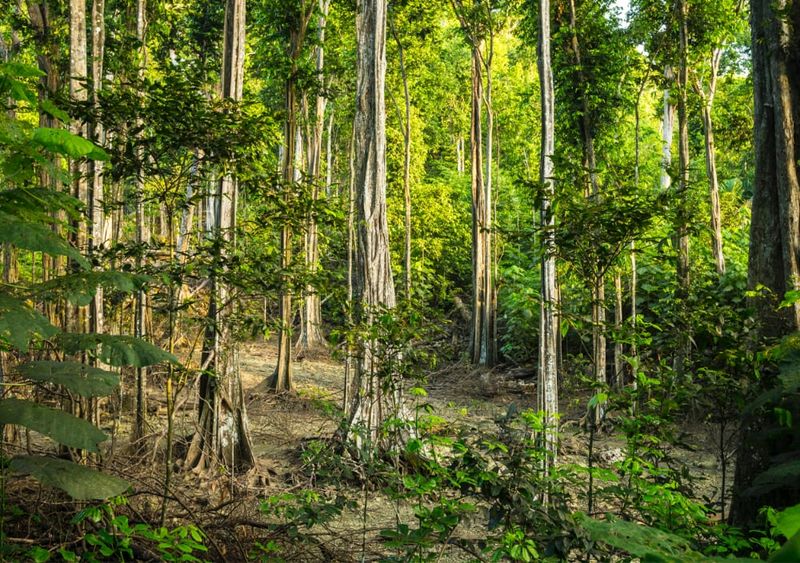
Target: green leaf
<point>79,378</point>
<point>63,142</point>
<point>36,204</point>
<point>20,70</point>
<point>79,482</point>
<point>20,323</point>
<point>50,108</point>
<point>36,237</point>
<point>789,553</point>
<point>117,350</point>
<point>788,521</point>
<point>785,474</point>
<point>58,425</point>
<point>80,288</point>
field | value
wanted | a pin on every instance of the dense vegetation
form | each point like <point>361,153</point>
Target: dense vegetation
<point>403,281</point>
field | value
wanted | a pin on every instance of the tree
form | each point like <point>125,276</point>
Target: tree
<point>223,435</point>
<point>548,334</point>
<point>311,339</point>
<point>477,23</point>
<point>377,396</point>
<point>297,20</point>
<point>774,262</point>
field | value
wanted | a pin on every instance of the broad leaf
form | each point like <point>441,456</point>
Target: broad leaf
<point>63,142</point>
<point>783,475</point>
<point>58,425</point>
<point>648,544</point>
<point>788,521</point>
<point>81,379</point>
<point>32,236</point>
<point>789,553</point>
<point>36,204</point>
<point>80,288</point>
<point>20,323</point>
<point>50,108</point>
<point>117,350</point>
<point>79,482</point>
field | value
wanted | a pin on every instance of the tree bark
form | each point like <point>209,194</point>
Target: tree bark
<point>707,103</point>
<point>548,338</point>
<point>378,396</point>
<point>282,378</point>
<point>682,212</point>
<point>140,421</point>
<point>97,216</point>
<point>775,223</point>
<point>311,340</point>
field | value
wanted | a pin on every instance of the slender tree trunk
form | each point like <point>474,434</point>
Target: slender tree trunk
<point>223,435</point>
<point>379,394</point>
<point>479,262</point>
<point>282,378</point>
<point>548,337</point>
<point>592,190</point>
<point>140,421</point>
<point>682,213</point>
<point>97,216</point>
<point>707,103</point>
<point>349,391</point>
<point>311,340</point>
<point>488,343</point>
<point>667,128</point>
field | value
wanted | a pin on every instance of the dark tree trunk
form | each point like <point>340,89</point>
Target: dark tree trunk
<point>775,226</point>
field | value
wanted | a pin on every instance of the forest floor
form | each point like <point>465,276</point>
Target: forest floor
<point>283,425</point>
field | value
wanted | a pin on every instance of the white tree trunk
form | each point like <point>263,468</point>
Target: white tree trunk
<point>548,374</point>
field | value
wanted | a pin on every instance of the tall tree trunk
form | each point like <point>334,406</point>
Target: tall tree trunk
<point>707,103</point>
<point>479,262</point>
<point>379,394</point>
<point>139,428</point>
<point>311,339</point>
<point>592,190</point>
<point>775,223</point>
<point>97,216</point>
<point>667,130</point>
<point>548,337</point>
<point>223,435</point>
<point>282,377</point>
<point>78,93</point>
<point>682,212</point>
<point>488,340</point>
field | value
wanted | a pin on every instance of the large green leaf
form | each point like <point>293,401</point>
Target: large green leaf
<point>80,288</point>
<point>782,475</point>
<point>789,553</point>
<point>58,425</point>
<point>79,482</point>
<point>648,544</point>
<point>36,237</point>
<point>37,204</point>
<point>788,521</point>
<point>79,378</point>
<point>117,350</point>
<point>19,323</point>
<point>63,142</point>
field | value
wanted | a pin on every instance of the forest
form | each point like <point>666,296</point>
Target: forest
<point>400,280</point>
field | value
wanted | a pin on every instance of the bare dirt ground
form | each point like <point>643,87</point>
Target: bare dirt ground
<point>227,509</point>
